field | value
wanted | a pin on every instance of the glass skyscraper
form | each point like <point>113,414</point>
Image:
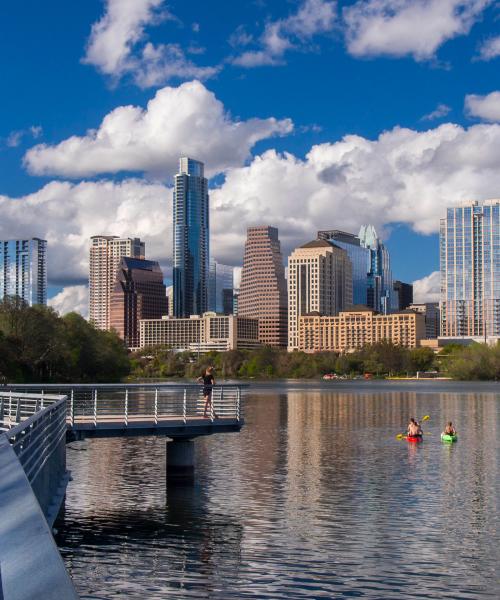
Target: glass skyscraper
<point>220,288</point>
<point>469,244</point>
<point>23,270</point>
<point>191,239</point>
<point>372,284</point>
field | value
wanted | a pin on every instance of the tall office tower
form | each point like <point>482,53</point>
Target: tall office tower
<point>319,281</point>
<point>170,300</point>
<point>263,293</point>
<point>372,275</point>
<point>191,239</point>
<point>236,296</point>
<point>403,295</point>
<point>470,270</point>
<point>23,270</point>
<point>430,310</point>
<point>220,288</point>
<point>105,254</point>
<point>138,293</point>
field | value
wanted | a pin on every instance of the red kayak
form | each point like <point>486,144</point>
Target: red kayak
<point>414,438</point>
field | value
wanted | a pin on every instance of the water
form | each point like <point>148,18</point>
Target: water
<point>315,498</point>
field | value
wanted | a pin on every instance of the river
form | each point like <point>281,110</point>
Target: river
<point>315,498</point>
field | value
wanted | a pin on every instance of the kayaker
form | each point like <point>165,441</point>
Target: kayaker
<point>414,429</point>
<point>449,429</point>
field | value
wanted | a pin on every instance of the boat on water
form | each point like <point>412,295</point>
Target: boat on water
<point>446,437</point>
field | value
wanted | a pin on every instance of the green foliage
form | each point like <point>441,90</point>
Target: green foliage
<point>36,345</point>
<point>475,362</point>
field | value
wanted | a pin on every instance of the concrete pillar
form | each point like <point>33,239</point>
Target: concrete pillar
<point>180,461</point>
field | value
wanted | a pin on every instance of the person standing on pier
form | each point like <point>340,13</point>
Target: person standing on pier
<point>208,380</point>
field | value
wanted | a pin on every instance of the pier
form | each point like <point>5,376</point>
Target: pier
<point>36,423</point>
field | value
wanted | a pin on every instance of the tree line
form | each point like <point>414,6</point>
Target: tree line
<point>37,345</point>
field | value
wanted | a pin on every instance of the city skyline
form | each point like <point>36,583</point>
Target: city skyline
<point>312,143</point>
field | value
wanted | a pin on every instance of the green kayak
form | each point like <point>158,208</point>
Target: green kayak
<point>445,437</point>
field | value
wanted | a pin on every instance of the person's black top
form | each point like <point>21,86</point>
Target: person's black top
<point>208,381</point>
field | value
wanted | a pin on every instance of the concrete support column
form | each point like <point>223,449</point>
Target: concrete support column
<point>180,461</point>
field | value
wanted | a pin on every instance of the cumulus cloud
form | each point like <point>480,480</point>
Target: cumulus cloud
<point>490,48</point>
<point>407,27</point>
<point>184,120</point>
<point>67,215</point>
<point>427,289</point>
<point>74,298</point>
<point>439,112</point>
<point>313,17</point>
<point>402,176</point>
<point>484,107</point>
<point>117,46</point>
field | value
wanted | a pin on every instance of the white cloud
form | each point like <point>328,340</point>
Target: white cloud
<point>484,107</point>
<point>490,48</point>
<point>402,176</point>
<point>117,46</point>
<point>67,215</point>
<point>74,298</point>
<point>15,138</point>
<point>408,27</point>
<point>313,17</point>
<point>184,120</point>
<point>427,289</point>
<point>439,112</point>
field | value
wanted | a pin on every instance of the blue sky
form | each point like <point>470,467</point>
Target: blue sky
<point>276,80</point>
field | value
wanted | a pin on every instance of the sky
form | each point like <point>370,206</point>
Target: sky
<point>308,114</point>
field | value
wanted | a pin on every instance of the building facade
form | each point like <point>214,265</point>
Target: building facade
<point>470,270</point>
<point>403,295</point>
<point>320,280</point>
<point>201,333</point>
<point>371,267</point>
<point>361,326</point>
<point>220,288</point>
<point>106,252</point>
<point>431,313</point>
<point>263,292</point>
<point>23,270</point>
<point>138,293</point>
<point>191,239</point>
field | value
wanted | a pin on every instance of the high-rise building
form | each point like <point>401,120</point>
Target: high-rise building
<point>23,270</point>
<point>403,295</point>
<point>191,239</point>
<point>220,288</point>
<point>170,300</point>
<point>105,254</point>
<point>359,327</point>
<point>319,280</point>
<point>430,310</point>
<point>371,269</point>
<point>138,293</point>
<point>263,293</point>
<point>470,270</point>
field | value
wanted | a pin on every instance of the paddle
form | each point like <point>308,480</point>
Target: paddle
<point>401,436</point>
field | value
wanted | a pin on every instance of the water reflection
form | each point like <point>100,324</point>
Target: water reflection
<point>314,498</point>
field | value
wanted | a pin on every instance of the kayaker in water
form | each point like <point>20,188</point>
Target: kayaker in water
<point>449,429</point>
<point>414,429</point>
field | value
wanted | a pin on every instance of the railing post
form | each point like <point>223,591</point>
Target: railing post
<point>221,408</point>
<point>156,406</point>
<point>42,399</point>
<point>238,403</point>
<point>95,407</point>
<point>72,407</point>
<point>126,406</point>
<point>18,411</point>
<point>212,404</point>
<point>184,403</point>
<point>1,409</point>
<point>10,409</point>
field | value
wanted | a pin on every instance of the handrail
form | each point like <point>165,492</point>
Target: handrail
<point>67,386</point>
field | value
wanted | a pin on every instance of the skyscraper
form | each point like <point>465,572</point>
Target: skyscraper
<point>403,295</point>
<point>263,293</point>
<point>191,239</point>
<point>371,267</point>
<point>23,270</point>
<point>220,288</point>
<point>319,281</point>
<point>105,254</point>
<point>470,270</point>
<point>138,293</point>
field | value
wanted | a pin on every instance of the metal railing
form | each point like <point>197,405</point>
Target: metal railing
<point>150,403</point>
<point>34,424</point>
